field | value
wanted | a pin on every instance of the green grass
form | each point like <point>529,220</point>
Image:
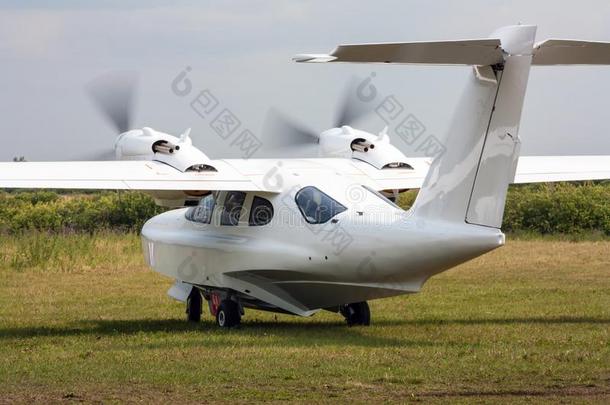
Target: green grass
<point>527,323</point>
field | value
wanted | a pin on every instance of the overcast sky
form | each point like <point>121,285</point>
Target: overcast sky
<point>241,50</point>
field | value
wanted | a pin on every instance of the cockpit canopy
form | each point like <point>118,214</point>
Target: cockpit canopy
<point>235,207</point>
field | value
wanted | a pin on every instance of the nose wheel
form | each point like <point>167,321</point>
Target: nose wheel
<point>357,313</point>
<point>227,315</point>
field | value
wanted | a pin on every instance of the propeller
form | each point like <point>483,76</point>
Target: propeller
<point>281,131</point>
<point>113,94</point>
<point>351,108</point>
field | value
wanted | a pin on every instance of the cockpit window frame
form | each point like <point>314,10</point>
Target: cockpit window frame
<point>228,218</point>
<point>341,207</point>
<point>257,203</point>
<point>192,213</point>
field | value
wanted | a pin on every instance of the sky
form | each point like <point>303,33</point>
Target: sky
<point>240,51</point>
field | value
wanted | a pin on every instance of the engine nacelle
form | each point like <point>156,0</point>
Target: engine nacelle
<point>136,144</point>
<point>177,152</point>
<point>376,150</point>
<point>148,144</point>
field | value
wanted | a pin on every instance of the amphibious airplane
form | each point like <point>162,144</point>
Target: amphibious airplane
<point>301,235</point>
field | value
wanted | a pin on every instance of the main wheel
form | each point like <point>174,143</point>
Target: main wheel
<point>194,303</point>
<point>357,313</point>
<point>228,314</point>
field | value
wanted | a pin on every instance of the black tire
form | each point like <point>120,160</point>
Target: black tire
<point>194,304</point>
<point>228,314</point>
<point>357,313</point>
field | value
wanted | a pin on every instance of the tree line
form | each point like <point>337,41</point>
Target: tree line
<point>561,208</point>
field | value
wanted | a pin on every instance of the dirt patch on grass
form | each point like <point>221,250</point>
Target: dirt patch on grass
<point>124,394</point>
<point>577,391</point>
<point>138,394</point>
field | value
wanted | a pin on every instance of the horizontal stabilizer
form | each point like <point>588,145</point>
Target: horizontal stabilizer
<point>478,52</point>
<point>571,52</point>
<point>464,52</point>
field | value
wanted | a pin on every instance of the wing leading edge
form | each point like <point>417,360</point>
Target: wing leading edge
<point>152,175</point>
<point>542,169</point>
<point>530,169</point>
<point>120,175</point>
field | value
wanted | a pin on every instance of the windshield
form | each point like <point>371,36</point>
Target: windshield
<point>202,213</point>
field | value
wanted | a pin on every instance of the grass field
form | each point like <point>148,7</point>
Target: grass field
<point>527,323</point>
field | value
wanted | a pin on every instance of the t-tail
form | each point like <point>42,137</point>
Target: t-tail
<point>469,182</point>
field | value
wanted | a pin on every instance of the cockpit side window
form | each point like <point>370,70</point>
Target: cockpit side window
<point>233,206</point>
<point>202,213</point>
<point>261,212</point>
<point>316,206</point>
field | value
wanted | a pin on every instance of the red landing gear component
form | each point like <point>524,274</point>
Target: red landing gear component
<point>214,303</point>
<point>226,311</point>
<point>357,313</point>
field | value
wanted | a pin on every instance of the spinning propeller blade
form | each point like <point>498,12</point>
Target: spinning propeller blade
<point>113,94</point>
<point>280,131</point>
<point>351,108</point>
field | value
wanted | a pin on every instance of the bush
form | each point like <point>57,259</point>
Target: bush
<point>52,212</point>
<point>561,208</point>
<point>554,208</point>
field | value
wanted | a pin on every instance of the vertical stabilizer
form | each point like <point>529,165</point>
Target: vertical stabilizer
<point>470,181</point>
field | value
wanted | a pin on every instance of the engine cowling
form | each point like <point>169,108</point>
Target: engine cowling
<point>376,150</point>
<point>177,152</point>
<point>148,144</point>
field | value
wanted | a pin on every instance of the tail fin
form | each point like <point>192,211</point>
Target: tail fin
<point>468,184</point>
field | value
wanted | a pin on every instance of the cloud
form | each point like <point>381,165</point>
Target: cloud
<point>30,34</point>
<point>241,50</point>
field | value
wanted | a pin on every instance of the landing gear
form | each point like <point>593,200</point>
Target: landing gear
<point>224,307</point>
<point>228,315</point>
<point>357,313</point>
<point>193,305</point>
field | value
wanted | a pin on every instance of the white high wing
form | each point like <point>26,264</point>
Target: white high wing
<point>301,235</point>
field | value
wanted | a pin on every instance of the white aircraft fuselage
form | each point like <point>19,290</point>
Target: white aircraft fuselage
<point>373,249</point>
